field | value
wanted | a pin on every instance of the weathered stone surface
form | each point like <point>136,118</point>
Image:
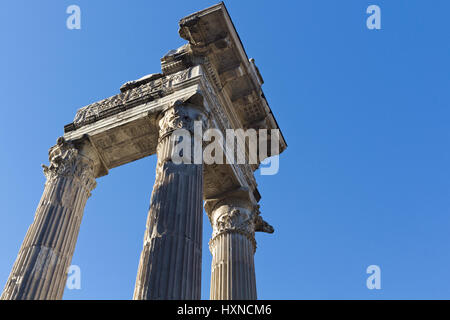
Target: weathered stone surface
<point>170,264</point>
<point>40,270</point>
<point>234,218</point>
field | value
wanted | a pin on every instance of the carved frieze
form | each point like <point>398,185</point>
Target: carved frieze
<point>146,89</point>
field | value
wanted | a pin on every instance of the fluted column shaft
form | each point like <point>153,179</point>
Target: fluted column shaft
<point>233,268</point>
<point>234,220</point>
<point>40,270</point>
<point>170,263</point>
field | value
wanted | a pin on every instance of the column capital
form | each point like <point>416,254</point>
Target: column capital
<point>236,212</point>
<point>40,270</point>
<point>235,218</point>
<point>66,160</point>
<point>182,115</point>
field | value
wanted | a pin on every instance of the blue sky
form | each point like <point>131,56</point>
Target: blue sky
<point>365,179</point>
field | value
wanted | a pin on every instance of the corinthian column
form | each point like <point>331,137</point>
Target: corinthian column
<point>40,270</point>
<point>234,219</point>
<point>170,263</point>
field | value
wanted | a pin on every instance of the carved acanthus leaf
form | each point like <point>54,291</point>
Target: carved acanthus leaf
<point>65,161</point>
<point>181,116</point>
<point>235,220</point>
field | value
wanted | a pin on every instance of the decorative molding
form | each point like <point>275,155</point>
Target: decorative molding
<point>134,93</point>
<point>223,123</point>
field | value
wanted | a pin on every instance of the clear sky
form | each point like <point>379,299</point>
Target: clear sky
<point>365,179</point>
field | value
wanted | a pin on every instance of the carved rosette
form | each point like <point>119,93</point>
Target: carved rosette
<point>66,161</point>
